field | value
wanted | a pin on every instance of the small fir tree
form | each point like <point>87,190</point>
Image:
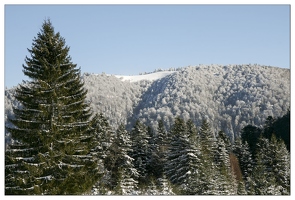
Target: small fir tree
<point>241,188</point>
<point>165,187</point>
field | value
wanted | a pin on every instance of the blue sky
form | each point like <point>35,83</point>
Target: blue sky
<point>129,39</point>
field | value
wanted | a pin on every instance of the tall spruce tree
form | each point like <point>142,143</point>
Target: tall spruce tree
<point>242,151</point>
<point>53,127</point>
<point>157,146</point>
<point>263,176</point>
<point>104,136</point>
<point>178,145</point>
<point>140,150</point>
<point>246,163</point>
<point>280,165</point>
<point>192,160</point>
<point>208,183</point>
<point>183,158</point>
<point>120,164</point>
<point>226,178</point>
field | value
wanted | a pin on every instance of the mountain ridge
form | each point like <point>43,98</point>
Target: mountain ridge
<point>228,96</point>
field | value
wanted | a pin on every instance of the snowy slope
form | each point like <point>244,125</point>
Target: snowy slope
<point>149,77</point>
<point>229,97</point>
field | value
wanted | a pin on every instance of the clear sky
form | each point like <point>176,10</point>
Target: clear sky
<point>129,39</point>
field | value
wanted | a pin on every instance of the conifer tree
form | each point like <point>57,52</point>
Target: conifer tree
<point>241,188</point>
<point>241,150</point>
<point>221,156</point>
<point>264,179</point>
<point>140,150</point>
<point>101,144</point>
<point>151,189</point>
<point>226,178</point>
<point>119,163</point>
<point>251,134</point>
<point>53,127</point>
<point>178,144</point>
<point>165,187</point>
<point>208,176</point>
<point>192,132</point>
<point>183,158</point>
<point>104,136</point>
<point>193,160</point>
<point>158,148</point>
<point>245,158</point>
<point>280,164</point>
<point>283,167</point>
<point>281,128</point>
<point>122,167</point>
<point>268,129</point>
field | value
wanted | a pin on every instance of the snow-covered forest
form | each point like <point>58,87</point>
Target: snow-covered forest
<point>229,97</point>
<point>196,130</point>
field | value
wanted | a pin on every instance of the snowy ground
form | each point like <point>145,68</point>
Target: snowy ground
<point>150,77</point>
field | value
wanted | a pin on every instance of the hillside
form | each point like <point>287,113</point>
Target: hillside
<point>229,97</point>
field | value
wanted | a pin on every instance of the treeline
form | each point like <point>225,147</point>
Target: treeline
<point>193,161</point>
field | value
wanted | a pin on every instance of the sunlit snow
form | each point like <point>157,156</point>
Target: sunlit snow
<point>149,77</point>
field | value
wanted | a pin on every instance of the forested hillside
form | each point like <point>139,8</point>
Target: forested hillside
<point>218,130</point>
<point>228,97</point>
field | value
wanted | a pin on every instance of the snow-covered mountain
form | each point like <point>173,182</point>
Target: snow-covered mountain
<point>229,97</point>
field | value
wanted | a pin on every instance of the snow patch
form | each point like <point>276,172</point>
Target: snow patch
<point>149,77</point>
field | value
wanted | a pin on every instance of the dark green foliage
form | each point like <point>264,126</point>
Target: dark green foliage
<point>226,140</point>
<point>262,174</point>
<point>120,164</point>
<point>268,129</point>
<point>157,149</point>
<point>241,188</point>
<point>271,170</point>
<point>280,127</point>
<point>223,164</point>
<point>165,187</point>
<point>175,150</point>
<point>241,150</point>
<point>208,141</point>
<point>140,150</point>
<point>250,134</point>
<point>208,173</point>
<point>279,164</point>
<point>182,156</point>
<point>52,128</point>
<point>104,136</point>
<point>216,176</point>
<point>266,168</point>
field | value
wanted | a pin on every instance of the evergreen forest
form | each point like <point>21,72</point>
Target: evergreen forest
<point>73,134</point>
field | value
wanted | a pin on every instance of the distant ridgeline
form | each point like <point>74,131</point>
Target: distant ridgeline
<point>228,97</point>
